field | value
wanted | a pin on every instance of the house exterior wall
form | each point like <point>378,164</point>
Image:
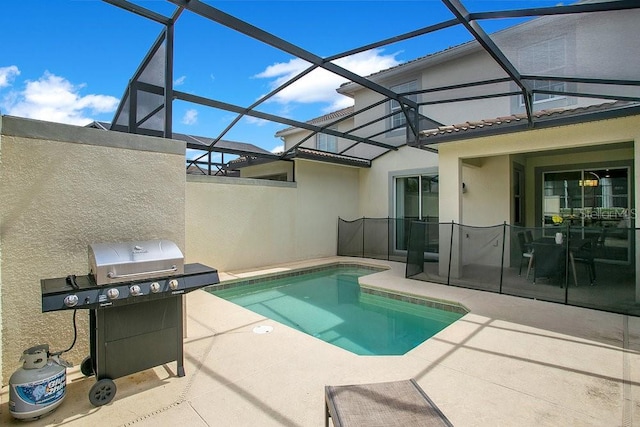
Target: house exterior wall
<point>483,202</point>
<point>477,66</point>
<point>573,136</point>
<point>63,188</point>
<point>580,36</point>
<point>473,66</point>
<point>296,135</point>
<point>363,98</point>
<point>493,153</point>
<point>376,183</point>
<point>236,224</point>
<point>268,169</point>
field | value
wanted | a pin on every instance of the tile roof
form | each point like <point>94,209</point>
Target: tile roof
<point>521,119</point>
<point>304,153</point>
<point>322,119</point>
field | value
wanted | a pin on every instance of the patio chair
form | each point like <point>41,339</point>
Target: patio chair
<point>550,262</point>
<point>583,254</point>
<point>399,403</point>
<point>527,253</point>
<point>529,237</point>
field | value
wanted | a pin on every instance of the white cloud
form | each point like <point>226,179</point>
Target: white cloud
<point>190,117</point>
<point>55,99</point>
<point>320,85</point>
<point>278,149</point>
<point>7,74</point>
<point>179,81</point>
<point>255,121</point>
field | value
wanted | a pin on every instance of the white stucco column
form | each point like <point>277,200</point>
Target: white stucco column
<point>450,205</point>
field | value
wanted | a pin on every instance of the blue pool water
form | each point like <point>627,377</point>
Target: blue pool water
<point>329,304</point>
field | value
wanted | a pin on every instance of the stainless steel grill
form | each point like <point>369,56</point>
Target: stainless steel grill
<point>122,262</point>
<point>134,296</point>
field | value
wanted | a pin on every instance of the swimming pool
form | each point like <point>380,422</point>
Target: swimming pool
<point>329,304</point>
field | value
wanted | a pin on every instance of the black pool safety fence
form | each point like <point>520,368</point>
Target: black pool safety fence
<point>591,267</point>
<point>377,238</point>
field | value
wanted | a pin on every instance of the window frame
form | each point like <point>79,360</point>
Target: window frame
<point>528,52</point>
<point>397,117</point>
<point>330,142</point>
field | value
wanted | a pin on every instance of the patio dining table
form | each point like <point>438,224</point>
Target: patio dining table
<point>550,257</point>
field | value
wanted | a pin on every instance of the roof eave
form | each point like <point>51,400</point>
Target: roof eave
<point>522,126</point>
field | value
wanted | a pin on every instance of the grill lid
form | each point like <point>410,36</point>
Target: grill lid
<point>129,261</point>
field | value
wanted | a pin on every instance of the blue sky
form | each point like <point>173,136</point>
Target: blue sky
<point>70,60</point>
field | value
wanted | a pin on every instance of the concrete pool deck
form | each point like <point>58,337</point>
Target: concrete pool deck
<point>509,362</point>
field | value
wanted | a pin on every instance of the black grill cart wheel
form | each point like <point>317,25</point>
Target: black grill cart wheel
<point>86,367</point>
<point>102,392</point>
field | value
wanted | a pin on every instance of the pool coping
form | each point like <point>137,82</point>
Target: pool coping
<point>231,283</point>
<point>445,305</point>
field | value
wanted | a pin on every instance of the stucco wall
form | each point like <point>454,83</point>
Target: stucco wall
<point>63,188</point>
<point>486,183</point>
<point>294,136</point>
<point>376,186</point>
<point>268,169</point>
<point>236,224</point>
<point>477,66</point>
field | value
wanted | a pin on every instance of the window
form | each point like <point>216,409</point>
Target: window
<point>399,119</point>
<point>547,57</point>
<point>325,142</point>
<point>586,197</point>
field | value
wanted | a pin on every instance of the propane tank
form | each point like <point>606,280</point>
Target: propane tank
<point>39,386</point>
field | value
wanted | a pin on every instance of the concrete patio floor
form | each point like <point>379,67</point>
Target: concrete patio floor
<point>509,362</point>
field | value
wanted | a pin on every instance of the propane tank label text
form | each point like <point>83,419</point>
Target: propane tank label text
<point>43,392</point>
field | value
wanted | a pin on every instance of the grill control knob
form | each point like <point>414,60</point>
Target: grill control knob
<point>155,287</point>
<point>71,300</point>
<point>173,284</point>
<point>135,290</point>
<point>113,293</point>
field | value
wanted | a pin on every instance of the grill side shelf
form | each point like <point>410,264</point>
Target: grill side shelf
<point>57,294</point>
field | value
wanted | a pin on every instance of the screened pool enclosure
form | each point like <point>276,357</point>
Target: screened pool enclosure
<point>538,67</point>
<point>539,60</point>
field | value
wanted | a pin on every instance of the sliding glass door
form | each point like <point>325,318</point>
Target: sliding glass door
<point>587,198</point>
<point>416,198</point>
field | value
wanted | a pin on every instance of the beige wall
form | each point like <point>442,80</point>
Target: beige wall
<point>486,182</point>
<point>268,169</point>
<point>63,188</point>
<point>474,67</point>
<point>235,224</point>
<point>376,186</point>
<point>294,136</point>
